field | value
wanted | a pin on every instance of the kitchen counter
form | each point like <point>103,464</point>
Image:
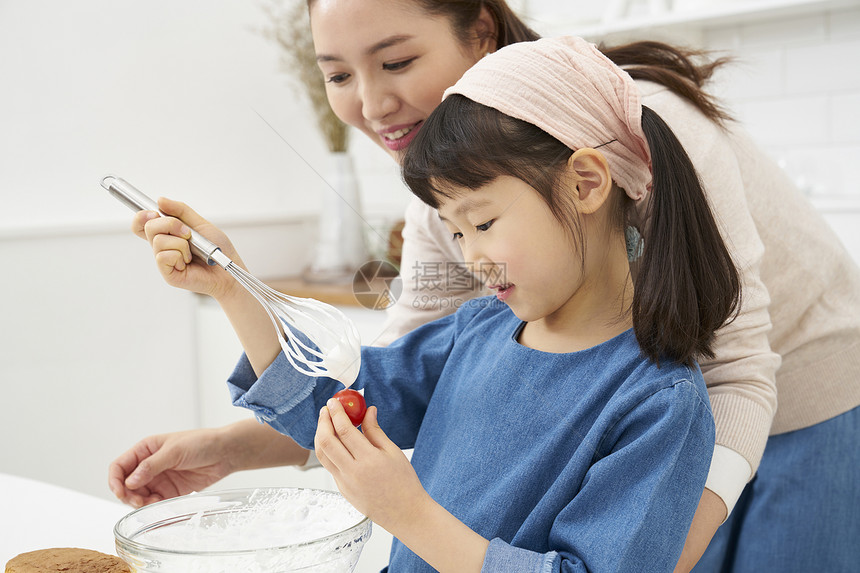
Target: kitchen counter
<point>38,515</point>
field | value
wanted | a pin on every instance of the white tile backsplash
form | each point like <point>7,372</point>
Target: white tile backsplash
<point>844,24</point>
<point>753,74</point>
<point>728,38</point>
<point>845,119</point>
<point>822,171</point>
<point>795,88</point>
<point>786,31</point>
<point>828,67</point>
<point>773,122</point>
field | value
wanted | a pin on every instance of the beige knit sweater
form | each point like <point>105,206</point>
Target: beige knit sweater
<point>801,289</point>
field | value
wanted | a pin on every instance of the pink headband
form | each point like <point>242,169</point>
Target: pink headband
<point>566,87</point>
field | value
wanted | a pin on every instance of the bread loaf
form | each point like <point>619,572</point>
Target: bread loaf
<point>67,559</point>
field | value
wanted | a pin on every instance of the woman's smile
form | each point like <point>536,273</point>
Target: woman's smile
<point>399,137</point>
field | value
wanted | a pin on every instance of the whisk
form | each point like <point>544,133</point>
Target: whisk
<point>317,338</point>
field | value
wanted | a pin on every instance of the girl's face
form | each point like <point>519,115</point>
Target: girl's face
<point>513,241</point>
<point>386,64</point>
<point>530,259</point>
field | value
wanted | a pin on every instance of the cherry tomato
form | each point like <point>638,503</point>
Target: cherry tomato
<point>353,403</point>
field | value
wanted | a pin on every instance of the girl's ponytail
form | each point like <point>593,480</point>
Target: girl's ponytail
<point>687,285</point>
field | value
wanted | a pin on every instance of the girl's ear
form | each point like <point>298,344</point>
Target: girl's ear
<point>589,176</point>
<point>486,33</point>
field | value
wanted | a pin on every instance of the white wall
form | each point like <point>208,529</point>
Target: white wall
<point>161,93</point>
<point>96,351</point>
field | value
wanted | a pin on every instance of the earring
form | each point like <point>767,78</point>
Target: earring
<point>635,243</point>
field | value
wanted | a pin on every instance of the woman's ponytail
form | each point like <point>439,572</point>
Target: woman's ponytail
<point>687,285</point>
<point>683,71</point>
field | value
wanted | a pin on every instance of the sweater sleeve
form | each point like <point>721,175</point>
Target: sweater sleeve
<point>434,278</point>
<point>638,498</point>
<point>399,380</point>
<point>741,378</point>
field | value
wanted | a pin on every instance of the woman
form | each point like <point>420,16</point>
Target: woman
<point>386,67</point>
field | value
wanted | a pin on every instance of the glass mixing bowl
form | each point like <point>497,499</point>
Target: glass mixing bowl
<point>263,530</point>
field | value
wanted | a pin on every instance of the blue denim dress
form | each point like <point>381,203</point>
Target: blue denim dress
<point>586,461</point>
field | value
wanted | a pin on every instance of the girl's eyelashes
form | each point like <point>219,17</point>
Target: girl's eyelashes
<point>395,66</point>
<point>482,227</point>
<point>485,226</point>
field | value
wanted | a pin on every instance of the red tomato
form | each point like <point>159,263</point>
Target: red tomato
<point>353,403</point>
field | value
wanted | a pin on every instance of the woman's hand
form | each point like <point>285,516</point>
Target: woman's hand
<point>371,472</point>
<point>169,237</point>
<point>167,465</point>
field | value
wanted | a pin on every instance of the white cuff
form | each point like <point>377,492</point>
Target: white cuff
<point>728,476</point>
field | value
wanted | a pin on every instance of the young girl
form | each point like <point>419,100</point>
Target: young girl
<point>563,424</point>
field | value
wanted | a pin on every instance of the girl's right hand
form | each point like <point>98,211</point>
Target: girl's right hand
<point>169,237</point>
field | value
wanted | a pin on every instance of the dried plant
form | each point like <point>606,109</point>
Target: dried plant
<point>292,31</point>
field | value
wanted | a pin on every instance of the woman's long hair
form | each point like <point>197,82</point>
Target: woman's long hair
<point>464,13</point>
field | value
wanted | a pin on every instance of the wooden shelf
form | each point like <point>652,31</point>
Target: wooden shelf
<point>716,14</point>
<point>338,294</point>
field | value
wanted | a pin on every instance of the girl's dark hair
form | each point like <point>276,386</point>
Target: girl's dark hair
<point>687,285</point>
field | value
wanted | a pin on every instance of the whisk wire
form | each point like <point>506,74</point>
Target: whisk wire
<point>296,351</point>
<point>274,298</point>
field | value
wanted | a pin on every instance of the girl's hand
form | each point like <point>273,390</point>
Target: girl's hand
<point>373,475</point>
<point>169,237</point>
<point>371,472</point>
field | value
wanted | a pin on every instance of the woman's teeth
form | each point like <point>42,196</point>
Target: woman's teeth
<point>391,136</point>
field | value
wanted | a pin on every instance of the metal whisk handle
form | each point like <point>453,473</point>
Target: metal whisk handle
<point>136,200</point>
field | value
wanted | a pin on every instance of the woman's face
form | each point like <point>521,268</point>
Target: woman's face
<point>386,64</point>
